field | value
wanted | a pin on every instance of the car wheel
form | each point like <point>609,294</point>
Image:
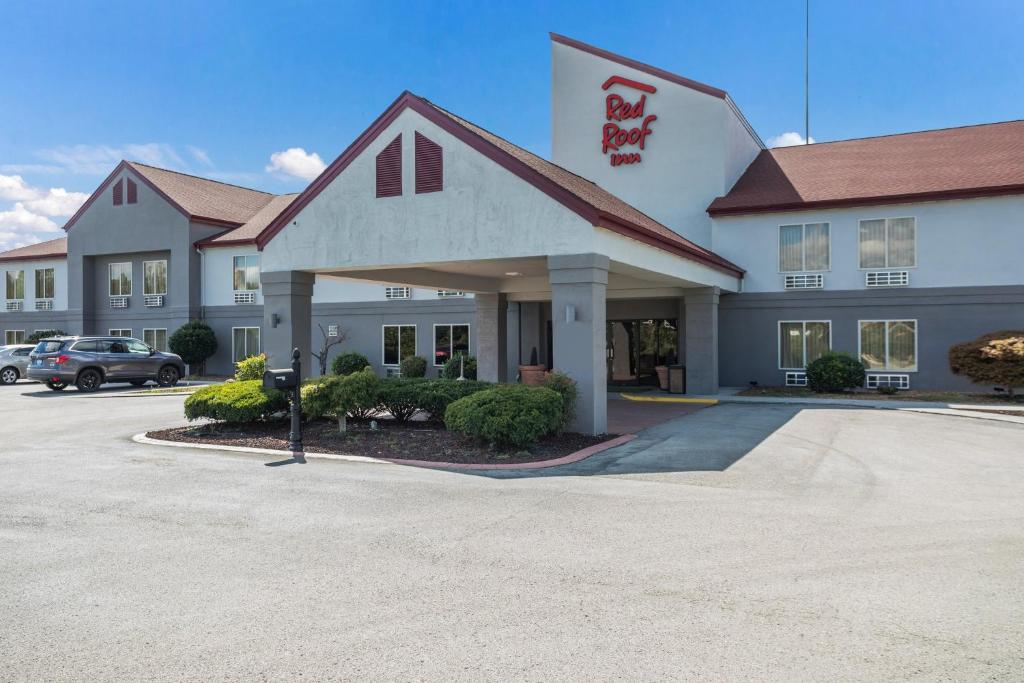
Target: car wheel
<point>56,386</point>
<point>138,382</point>
<point>9,375</point>
<point>89,380</point>
<point>168,376</point>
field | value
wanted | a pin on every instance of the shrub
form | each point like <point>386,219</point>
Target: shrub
<point>996,358</point>
<point>194,342</point>
<point>318,397</point>
<point>357,395</point>
<point>566,388</point>
<point>450,370</point>
<point>436,395</point>
<point>251,368</point>
<point>244,401</point>
<point>888,390</point>
<point>835,372</point>
<point>413,367</point>
<point>39,335</point>
<point>348,363</point>
<point>510,415</point>
<point>401,397</point>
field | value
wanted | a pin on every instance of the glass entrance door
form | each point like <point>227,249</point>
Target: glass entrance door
<point>635,347</point>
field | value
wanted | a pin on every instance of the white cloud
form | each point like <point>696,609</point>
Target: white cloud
<point>57,202</point>
<point>296,162</point>
<point>200,155</point>
<point>788,140</point>
<point>30,218</point>
<point>101,159</point>
<point>13,188</point>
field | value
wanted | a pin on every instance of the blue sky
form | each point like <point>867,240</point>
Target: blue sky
<point>217,88</point>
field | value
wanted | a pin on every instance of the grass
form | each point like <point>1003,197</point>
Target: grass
<point>867,395</point>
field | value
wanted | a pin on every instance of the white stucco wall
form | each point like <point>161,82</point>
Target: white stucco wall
<point>960,243</point>
<point>60,282</point>
<point>484,212</point>
<point>696,151</point>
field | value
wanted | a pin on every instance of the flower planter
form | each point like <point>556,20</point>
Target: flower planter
<point>662,371</point>
<point>533,375</point>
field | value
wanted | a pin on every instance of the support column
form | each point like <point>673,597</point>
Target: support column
<point>702,341</point>
<point>288,318</point>
<point>491,337</point>
<point>512,343</point>
<point>579,285</point>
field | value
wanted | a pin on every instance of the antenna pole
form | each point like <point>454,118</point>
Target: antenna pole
<point>807,72</point>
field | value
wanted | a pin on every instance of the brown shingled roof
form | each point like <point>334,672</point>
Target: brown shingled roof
<point>953,163</point>
<point>57,248</point>
<point>248,233</point>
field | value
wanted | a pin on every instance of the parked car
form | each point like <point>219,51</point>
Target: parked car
<point>14,362</point>
<point>88,362</point>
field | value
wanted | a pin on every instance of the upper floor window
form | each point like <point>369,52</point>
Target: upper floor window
<point>804,247</point>
<point>389,169</point>
<point>803,342</point>
<point>44,283</point>
<point>15,284</point>
<point>397,292</point>
<point>246,272</point>
<point>154,277</point>
<point>889,344</point>
<point>429,165</point>
<point>120,279</point>
<point>888,243</point>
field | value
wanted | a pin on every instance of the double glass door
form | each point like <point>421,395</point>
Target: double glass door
<point>635,347</point>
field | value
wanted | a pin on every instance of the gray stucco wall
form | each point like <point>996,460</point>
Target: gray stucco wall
<point>748,326</point>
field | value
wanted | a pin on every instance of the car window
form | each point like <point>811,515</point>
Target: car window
<point>22,352</point>
<point>87,346</point>
<point>117,347</point>
<point>48,347</point>
<point>135,346</point>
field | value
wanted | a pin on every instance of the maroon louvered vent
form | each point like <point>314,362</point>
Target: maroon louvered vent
<point>429,165</point>
<point>133,192</point>
<point>118,193</point>
<point>389,169</point>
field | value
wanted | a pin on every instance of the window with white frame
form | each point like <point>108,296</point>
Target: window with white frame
<point>15,284</point>
<point>154,277</point>
<point>44,283</point>
<point>397,292</point>
<point>449,340</point>
<point>155,337</point>
<point>120,332</point>
<point>802,342</point>
<point>889,344</point>
<point>245,343</point>
<point>888,243</point>
<point>399,343</point>
<point>14,337</point>
<point>246,273</point>
<point>120,279</point>
<point>804,247</point>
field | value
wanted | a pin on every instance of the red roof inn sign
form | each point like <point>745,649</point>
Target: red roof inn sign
<point>627,126</point>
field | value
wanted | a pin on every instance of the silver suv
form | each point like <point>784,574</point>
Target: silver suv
<point>88,362</point>
<point>14,362</point>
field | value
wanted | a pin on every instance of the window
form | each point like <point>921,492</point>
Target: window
<point>389,169</point>
<point>399,343</point>
<point>154,277</point>
<point>120,279</point>
<point>117,193</point>
<point>888,243</point>
<point>429,165</point>
<point>44,283</point>
<point>14,337</point>
<point>449,340</point>
<point>245,343</point>
<point>15,284</point>
<point>120,332</point>
<point>157,338</point>
<point>133,192</point>
<point>802,342</point>
<point>889,344</point>
<point>137,347</point>
<point>397,292</point>
<point>804,247</point>
<point>246,273</point>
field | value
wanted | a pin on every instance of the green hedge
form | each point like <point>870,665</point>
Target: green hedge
<point>450,369</point>
<point>835,371</point>
<point>360,394</point>
<point>413,367</point>
<point>251,368</point>
<point>348,363</point>
<point>401,397</point>
<point>244,401</point>
<point>565,386</point>
<point>508,416</point>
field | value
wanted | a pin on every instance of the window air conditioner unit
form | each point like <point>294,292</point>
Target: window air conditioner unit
<point>898,381</point>
<point>887,278</point>
<point>805,281</point>
<point>245,297</point>
<point>119,302</point>
<point>155,300</point>
<point>44,304</point>
<point>14,305</point>
<point>397,293</point>
<point>449,293</point>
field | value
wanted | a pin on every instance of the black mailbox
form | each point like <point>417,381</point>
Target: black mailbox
<point>280,379</point>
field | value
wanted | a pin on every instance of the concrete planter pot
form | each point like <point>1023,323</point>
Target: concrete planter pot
<point>662,371</point>
<point>533,375</point>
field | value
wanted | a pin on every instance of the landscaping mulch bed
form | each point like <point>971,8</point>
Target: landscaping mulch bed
<point>393,440</point>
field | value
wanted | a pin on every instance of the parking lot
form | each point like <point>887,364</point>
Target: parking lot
<point>771,542</point>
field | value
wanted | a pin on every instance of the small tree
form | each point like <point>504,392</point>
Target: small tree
<point>996,358</point>
<point>326,344</point>
<point>39,335</point>
<point>194,342</point>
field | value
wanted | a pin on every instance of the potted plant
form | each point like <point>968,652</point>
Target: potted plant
<point>532,374</point>
<point>662,371</point>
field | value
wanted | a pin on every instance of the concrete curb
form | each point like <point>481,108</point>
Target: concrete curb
<point>670,399</point>
<point>540,464</point>
<point>975,411</point>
